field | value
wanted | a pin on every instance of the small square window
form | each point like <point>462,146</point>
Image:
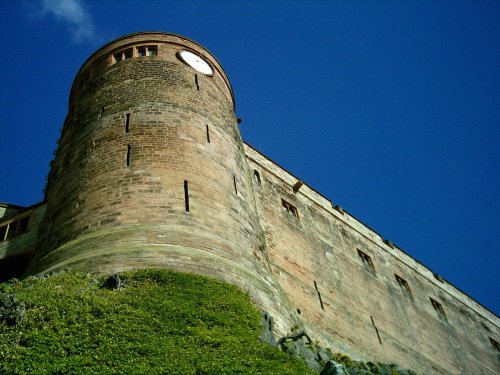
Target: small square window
<point>127,54</point>
<point>256,176</point>
<point>437,306</point>
<point>152,51</point>
<point>288,207</point>
<point>141,51</point>
<point>3,231</point>
<point>118,57</point>
<point>495,344</point>
<point>403,283</point>
<point>366,260</point>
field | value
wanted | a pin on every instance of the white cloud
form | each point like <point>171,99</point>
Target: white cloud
<point>74,14</point>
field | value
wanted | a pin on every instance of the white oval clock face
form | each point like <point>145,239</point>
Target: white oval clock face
<point>196,62</point>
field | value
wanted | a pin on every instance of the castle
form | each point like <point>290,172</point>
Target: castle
<point>151,171</point>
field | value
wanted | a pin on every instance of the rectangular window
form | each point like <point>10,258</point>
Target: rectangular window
<point>403,283</point>
<point>3,232</point>
<point>118,57</point>
<point>11,231</point>
<point>366,259</point>
<point>256,176</point>
<point>288,207</point>
<point>128,155</point>
<point>127,123</point>
<point>23,225</point>
<point>152,51</point>
<point>141,51</point>
<point>235,187</point>
<point>208,135</point>
<point>127,54</point>
<point>186,196</point>
<point>437,306</point>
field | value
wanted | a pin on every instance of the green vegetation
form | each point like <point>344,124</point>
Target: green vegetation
<point>161,322</point>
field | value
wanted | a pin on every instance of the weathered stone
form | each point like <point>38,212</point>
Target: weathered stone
<point>114,282</point>
<point>11,310</point>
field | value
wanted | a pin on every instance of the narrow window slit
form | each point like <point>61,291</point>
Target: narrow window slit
<point>196,82</point>
<point>319,295</point>
<point>128,155</point>
<point>376,330</point>
<point>186,195</point>
<point>101,113</point>
<point>235,187</point>
<point>127,123</point>
<point>256,176</point>
<point>208,135</point>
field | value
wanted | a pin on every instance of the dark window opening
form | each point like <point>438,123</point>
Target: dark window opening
<point>118,56</point>
<point>128,155</point>
<point>376,330</point>
<point>437,306</point>
<point>366,259</point>
<point>127,54</point>
<point>101,113</point>
<point>256,176</point>
<point>196,82</point>
<point>235,187</point>
<point>403,283</point>
<point>152,51</point>
<point>319,295</point>
<point>208,135</point>
<point>127,123</point>
<point>291,209</point>
<point>495,344</point>
<point>299,312</point>
<point>141,51</point>
<point>11,231</point>
<point>23,225</point>
<point>186,196</point>
<point>3,232</point>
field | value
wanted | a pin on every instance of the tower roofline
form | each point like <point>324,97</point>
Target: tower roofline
<point>164,33</point>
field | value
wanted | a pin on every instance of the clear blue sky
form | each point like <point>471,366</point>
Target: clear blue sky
<point>389,108</point>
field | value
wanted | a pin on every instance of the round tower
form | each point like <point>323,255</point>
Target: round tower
<point>150,171</point>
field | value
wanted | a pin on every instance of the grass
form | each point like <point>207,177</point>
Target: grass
<point>161,322</point>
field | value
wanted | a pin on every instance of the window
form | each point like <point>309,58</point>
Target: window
<point>437,306</point>
<point>147,51</point>
<point>292,210</point>
<point>14,228</point>
<point>123,55</point>
<point>366,260</point>
<point>403,283</point>
<point>495,344</point>
<point>256,176</point>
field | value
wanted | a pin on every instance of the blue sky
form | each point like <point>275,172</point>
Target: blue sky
<point>391,109</point>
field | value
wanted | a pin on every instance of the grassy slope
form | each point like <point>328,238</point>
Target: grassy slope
<point>160,323</point>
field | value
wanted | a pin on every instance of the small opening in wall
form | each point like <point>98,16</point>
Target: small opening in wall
<point>208,134</point>
<point>127,54</point>
<point>101,113</point>
<point>3,232</point>
<point>299,312</point>
<point>127,123</point>
<point>23,225</point>
<point>128,155</point>
<point>256,176</point>
<point>152,51</point>
<point>367,260</point>
<point>376,330</point>
<point>291,209</point>
<point>319,295</point>
<point>11,230</point>
<point>403,284</point>
<point>495,344</point>
<point>196,82</point>
<point>186,196</point>
<point>235,187</point>
<point>438,307</point>
<point>141,51</point>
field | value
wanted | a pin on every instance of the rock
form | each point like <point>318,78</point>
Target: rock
<point>323,355</point>
<point>332,368</point>
<point>11,310</point>
<point>267,334</point>
<point>114,282</point>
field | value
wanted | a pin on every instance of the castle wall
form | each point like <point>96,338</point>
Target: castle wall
<point>150,172</point>
<point>357,305</point>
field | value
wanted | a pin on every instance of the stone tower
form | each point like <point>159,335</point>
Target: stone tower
<point>150,171</point>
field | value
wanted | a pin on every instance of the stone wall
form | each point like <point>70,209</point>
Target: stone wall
<point>340,277</point>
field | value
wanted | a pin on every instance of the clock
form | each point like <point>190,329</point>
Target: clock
<point>196,62</point>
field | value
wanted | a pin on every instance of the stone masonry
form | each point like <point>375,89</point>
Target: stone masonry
<point>151,171</point>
